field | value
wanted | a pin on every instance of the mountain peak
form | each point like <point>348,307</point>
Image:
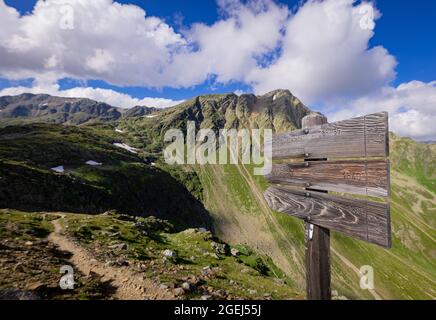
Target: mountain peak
<point>282,92</point>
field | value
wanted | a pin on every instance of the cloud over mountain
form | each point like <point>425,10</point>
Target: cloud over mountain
<point>320,51</point>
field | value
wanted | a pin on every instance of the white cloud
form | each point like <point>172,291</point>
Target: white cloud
<point>118,44</point>
<point>411,107</point>
<point>104,40</point>
<point>231,47</point>
<point>326,55</point>
<point>320,52</point>
<point>108,96</point>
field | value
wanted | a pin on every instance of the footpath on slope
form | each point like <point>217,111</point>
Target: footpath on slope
<point>129,285</point>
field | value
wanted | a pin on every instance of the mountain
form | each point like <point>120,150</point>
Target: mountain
<point>278,110</point>
<point>45,108</point>
<point>228,196</point>
<point>30,108</point>
<point>234,199</point>
<point>139,111</point>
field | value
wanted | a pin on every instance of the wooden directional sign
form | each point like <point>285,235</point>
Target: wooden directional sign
<point>361,219</point>
<point>347,157</point>
<point>353,176</point>
<point>366,136</point>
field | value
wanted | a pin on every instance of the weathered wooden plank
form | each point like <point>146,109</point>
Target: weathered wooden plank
<point>352,176</point>
<point>317,240</point>
<point>318,275</point>
<point>366,136</point>
<point>362,219</point>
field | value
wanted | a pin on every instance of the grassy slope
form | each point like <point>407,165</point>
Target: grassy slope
<point>248,275</point>
<point>407,271</point>
<point>124,182</point>
<point>233,197</point>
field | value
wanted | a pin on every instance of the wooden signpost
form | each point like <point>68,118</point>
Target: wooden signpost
<point>344,157</point>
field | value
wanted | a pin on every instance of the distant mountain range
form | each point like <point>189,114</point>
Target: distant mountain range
<point>278,110</point>
<point>29,107</point>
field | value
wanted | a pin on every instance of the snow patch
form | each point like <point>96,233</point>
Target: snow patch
<point>126,147</point>
<point>274,97</point>
<point>152,116</point>
<point>93,163</point>
<point>59,169</point>
<point>119,130</point>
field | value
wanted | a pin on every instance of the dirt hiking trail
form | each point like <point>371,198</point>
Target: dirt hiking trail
<point>129,285</point>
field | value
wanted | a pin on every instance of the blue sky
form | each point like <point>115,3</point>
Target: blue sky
<point>209,46</point>
<point>406,29</point>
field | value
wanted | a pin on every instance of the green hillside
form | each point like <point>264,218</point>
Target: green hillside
<point>233,197</point>
<point>198,266</point>
<point>407,271</point>
<point>227,199</point>
<point>122,180</point>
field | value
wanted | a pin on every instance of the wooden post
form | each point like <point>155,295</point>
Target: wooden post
<point>362,137</point>
<point>317,240</point>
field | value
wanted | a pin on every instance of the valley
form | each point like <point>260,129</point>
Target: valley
<point>203,204</point>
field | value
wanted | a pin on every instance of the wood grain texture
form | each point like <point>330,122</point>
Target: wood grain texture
<point>362,219</point>
<point>317,242</point>
<point>366,136</point>
<point>318,273</point>
<point>352,176</point>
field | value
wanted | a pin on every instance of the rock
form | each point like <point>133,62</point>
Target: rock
<point>17,294</point>
<point>202,230</point>
<point>178,292</point>
<point>35,285</point>
<point>220,293</point>
<point>215,256</point>
<point>163,287</point>
<point>169,256</point>
<point>235,252</point>
<point>110,213</point>
<point>251,291</point>
<point>119,246</point>
<point>206,270</point>
<point>122,263</point>
<point>194,281</point>
<point>28,243</point>
<point>206,297</point>
<point>219,248</point>
<point>126,217</point>
<point>19,267</point>
<point>168,253</point>
<point>186,286</point>
<point>190,231</point>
